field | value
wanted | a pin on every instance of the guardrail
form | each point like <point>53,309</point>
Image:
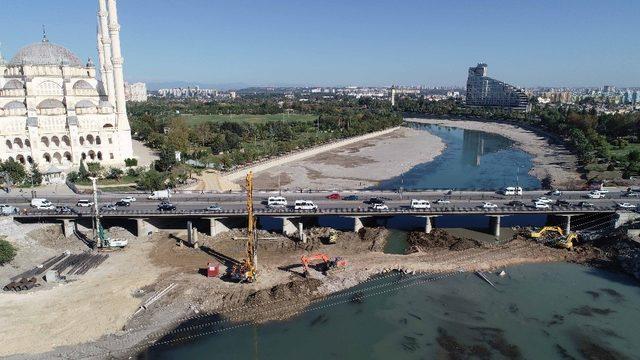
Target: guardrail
<point>454,210</point>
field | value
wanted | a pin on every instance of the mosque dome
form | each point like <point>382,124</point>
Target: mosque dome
<point>45,53</point>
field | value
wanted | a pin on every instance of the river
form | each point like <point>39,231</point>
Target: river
<point>543,311</point>
<point>472,160</point>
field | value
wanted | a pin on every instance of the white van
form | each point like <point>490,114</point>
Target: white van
<point>420,204</point>
<point>276,202</point>
<point>305,205</point>
<point>42,204</point>
<point>512,190</point>
<point>159,195</point>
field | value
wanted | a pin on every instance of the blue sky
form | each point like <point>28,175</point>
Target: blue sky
<point>350,42</point>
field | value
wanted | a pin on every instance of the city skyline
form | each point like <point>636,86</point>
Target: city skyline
<point>335,44</point>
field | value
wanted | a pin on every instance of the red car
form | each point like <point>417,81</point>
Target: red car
<point>334,196</point>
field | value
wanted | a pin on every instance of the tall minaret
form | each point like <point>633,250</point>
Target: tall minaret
<point>104,52</point>
<point>118,74</point>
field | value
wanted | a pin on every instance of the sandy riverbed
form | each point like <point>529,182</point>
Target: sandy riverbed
<point>355,166</point>
<point>549,159</point>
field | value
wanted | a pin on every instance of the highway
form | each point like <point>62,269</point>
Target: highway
<point>234,203</point>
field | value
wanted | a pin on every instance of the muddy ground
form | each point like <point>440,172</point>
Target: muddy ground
<point>281,290</point>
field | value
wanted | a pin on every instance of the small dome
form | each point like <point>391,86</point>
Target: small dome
<point>51,104</point>
<point>81,84</point>
<point>45,53</point>
<point>15,105</point>
<point>85,104</point>
<point>13,84</point>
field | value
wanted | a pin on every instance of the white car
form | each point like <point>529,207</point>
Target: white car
<point>541,205</point>
<point>555,192</point>
<point>596,195</point>
<point>305,205</point>
<point>633,194</point>
<point>214,207</point>
<point>8,209</point>
<point>128,199</point>
<point>626,206</point>
<point>489,205</point>
<point>443,201</point>
<point>603,191</point>
<point>379,207</point>
<point>84,203</point>
<point>420,204</point>
<point>276,202</point>
<point>544,199</point>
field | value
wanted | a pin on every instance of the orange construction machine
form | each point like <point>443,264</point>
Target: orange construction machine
<point>325,264</point>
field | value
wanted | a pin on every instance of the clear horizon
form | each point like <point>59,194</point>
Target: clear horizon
<point>363,43</point>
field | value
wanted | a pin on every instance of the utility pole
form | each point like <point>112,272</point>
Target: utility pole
<point>96,221</point>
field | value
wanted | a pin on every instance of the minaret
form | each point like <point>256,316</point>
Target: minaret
<point>118,74</point>
<point>2,62</point>
<point>104,52</point>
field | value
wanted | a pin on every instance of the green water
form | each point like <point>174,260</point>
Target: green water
<point>396,242</point>
<point>548,311</point>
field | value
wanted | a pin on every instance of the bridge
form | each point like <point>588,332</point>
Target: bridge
<point>143,216</point>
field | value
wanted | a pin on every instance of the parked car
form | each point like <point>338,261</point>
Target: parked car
<point>626,206</point>
<point>516,203</point>
<point>334,196</point>
<point>84,203</point>
<point>214,207</point>
<point>541,205</point>
<point>108,207</point>
<point>489,205</point>
<point>128,199</point>
<point>420,204</point>
<point>8,209</point>
<point>123,203</point>
<point>443,201</point>
<point>166,206</point>
<point>379,207</point>
<point>350,198</point>
<point>305,205</point>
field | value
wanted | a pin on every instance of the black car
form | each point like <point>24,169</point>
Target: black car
<point>516,203</point>
<point>166,207</point>
<point>123,203</point>
<point>374,200</point>
<point>585,204</point>
<point>563,203</point>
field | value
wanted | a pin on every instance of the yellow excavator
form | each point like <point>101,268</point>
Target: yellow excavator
<point>555,235</point>
<point>246,270</point>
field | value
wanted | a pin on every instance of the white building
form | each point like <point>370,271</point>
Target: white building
<point>136,92</point>
<point>53,110</point>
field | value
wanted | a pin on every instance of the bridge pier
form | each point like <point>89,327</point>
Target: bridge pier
<point>143,228</point>
<point>566,222</point>
<point>68,226</point>
<point>494,224</point>
<point>357,223</point>
<point>428,223</point>
<point>217,226</point>
<point>292,226</point>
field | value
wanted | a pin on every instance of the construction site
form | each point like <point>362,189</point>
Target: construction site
<point>107,293</point>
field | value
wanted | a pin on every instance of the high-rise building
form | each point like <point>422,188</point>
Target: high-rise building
<point>484,91</point>
<point>53,110</point>
<point>136,92</point>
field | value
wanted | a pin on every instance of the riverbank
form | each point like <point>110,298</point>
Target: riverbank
<point>551,160</point>
<point>281,291</point>
<point>358,165</point>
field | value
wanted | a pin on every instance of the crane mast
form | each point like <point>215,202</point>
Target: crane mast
<point>252,257</point>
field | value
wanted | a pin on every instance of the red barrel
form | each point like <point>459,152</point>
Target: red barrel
<point>213,270</point>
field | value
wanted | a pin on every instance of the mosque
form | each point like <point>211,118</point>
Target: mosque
<point>54,111</point>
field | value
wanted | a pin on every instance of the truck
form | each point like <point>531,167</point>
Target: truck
<point>159,195</point>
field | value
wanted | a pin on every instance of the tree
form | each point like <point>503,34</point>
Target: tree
<point>633,156</point>
<point>115,174</point>
<point>36,175</point>
<point>151,180</point>
<point>131,162</point>
<point>7,251</point>
<point>167,158</point>
<point>83,174</point>
<point>94,169</point>
<point>14,170</point>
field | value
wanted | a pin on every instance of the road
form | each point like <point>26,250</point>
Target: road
<point>468,201</point>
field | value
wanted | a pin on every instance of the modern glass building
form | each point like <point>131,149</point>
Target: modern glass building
<point>483,91</point>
